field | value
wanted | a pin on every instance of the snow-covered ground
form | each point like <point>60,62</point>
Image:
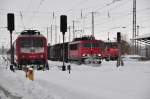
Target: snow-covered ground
<point>105,81</point>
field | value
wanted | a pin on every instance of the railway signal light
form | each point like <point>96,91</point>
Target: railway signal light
<point>118,37</point>
<point>10,22</point>
<point>119,60</point>
<point>63,24</point>
<point>11,27</point>
<point>63,29</point>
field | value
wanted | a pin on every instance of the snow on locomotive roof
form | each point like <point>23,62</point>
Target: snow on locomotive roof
<point>30,32</point>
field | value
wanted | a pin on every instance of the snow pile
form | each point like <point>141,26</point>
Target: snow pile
<point>14,85</point>
<point>102,82</point>
<point>105,81</point>
<point>131,57</point>
<point>3,96</point>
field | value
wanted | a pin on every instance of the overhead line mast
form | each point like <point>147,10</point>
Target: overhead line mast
<point>93,23</point>
<point>134,27</point>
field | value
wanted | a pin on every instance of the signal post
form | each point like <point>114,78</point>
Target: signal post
<point>119,60</point>
<point>63,29</point>
<point>11,27</point>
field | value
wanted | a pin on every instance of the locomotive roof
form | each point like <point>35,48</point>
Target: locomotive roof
<point>85,41</point>
<point>30,32</point>
<point>84,38</point>
<point>31,35</point>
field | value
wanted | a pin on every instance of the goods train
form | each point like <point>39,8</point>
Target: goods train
<point>111,51</point>
<point>83,50</point>
<point>55,52</point>
<point>30,47</point>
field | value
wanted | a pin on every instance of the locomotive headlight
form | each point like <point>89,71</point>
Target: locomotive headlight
<point>99,54</point>
<point>42,56</point>
<point>23,56</point>
<point>83,55</point>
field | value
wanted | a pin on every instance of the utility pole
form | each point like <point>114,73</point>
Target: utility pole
<point>73,30</point>
<point>51,33</point>
<point>134,27</point>
<point>2,49</point>
<point>55,34</point>
<point>69,28</point>
<point>108,46</point>
<point>69,41</point>
<point>137,42</point>
<point>47,34</point>
<point>138,30</point>
<point>93,23</point>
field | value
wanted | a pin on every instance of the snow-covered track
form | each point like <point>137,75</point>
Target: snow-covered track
<point>9,94</point>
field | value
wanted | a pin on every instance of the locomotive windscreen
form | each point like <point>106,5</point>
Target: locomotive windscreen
<point>31,43</point>
<point>89,45</point>
<point>112,44</point>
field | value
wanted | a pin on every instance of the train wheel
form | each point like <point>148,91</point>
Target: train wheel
<point>99,62</point>
<point>79,62</point>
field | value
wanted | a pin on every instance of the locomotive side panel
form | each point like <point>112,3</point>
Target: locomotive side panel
<point>74,51</point>
<point>85,49</point>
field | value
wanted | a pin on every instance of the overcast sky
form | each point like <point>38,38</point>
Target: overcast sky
<point>109,16</point>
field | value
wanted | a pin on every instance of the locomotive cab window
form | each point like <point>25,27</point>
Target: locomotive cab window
<point>38,43</point>
<point>73,46</point>
<point>25,43</point>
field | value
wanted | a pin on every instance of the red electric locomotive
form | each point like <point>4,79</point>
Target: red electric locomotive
<point>86,50</point>
<point>31,48</point>
<point>111,51</point>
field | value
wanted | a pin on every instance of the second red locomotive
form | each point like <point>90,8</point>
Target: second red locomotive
<point>86,50</point>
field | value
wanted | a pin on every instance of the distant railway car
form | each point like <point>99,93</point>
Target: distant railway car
<point>56,52</point>
<point>111,51</point>
<point>31,48</point>
<point>86,49</point>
